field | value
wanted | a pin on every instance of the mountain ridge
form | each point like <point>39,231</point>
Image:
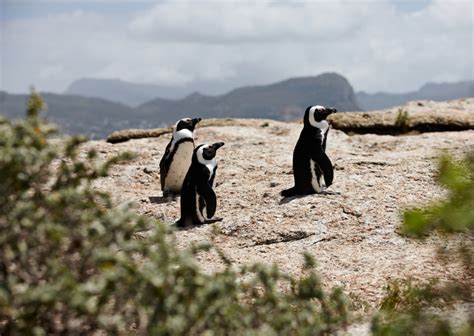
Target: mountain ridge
<point>284,100</point>
<point>97,117</point>
<point>428,91</point>
<point>128,93</point>
<point>136,94</point>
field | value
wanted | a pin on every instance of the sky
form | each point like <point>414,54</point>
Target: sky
<point>213,46</point>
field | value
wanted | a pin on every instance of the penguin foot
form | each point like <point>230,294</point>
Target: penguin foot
<point>296,192</point>
<point>288,192</point>
<point>180,223</point>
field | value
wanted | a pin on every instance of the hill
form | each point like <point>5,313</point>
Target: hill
<point>127,93</point>
<point>93,117</point>
<point>429,91</point>
<point>97,117</point>
<point>284,100</point>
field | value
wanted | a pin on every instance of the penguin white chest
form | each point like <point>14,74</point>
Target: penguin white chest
<point>315,177</point>
<point>179,166</point>
<point>316,173</point>
<point>211,166</point>
<point>323,126</point>
<point>202,212</point>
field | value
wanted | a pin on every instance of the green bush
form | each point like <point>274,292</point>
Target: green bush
<point>454,214</point>
<point>402,118</point>
<point>408,307</point>
<point>71,263</point>
<point>416,308</point>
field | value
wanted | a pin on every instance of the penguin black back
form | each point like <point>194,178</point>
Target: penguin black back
<point>310,162</point>
<point>198,199</point>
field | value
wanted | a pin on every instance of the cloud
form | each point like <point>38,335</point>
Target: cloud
<point>216,46</point>
<point>259,22</point>
<point>47,52</point>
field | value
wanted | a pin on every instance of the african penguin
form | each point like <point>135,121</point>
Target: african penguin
<point>198,199</point>
<point>177,158</point>
<point>310,162</point>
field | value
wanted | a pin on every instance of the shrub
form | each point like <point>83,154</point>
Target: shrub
<point>406,307</point>
<point>402,118</point>
<point>415,308</point>
<point>71,263</point>
<point>454,214</point>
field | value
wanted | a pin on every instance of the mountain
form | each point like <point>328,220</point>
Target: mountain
<point>93,117</point>
<point>284,100</point>
<point>429,91</point>
<point>131,94</point>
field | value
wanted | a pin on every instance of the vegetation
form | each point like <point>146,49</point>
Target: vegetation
<point>453,215</point>
<point>402,118</point>
<point>408,307</point>
<point>71,263</point>
<point>414,308</point>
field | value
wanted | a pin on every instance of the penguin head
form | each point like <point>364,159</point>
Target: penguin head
<point>316,113</point>
<point>207,152</point>
<point>186,123</point>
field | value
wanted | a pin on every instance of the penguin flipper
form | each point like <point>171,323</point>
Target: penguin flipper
<point>164,166</point>
<point>319,156</point>
<point>205,191</point>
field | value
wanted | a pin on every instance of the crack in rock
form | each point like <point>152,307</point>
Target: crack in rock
<point>286,237</point>
<point>375,163</point>
<point>325,239</point>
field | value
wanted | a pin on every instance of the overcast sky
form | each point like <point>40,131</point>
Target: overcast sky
<point>379,45</point>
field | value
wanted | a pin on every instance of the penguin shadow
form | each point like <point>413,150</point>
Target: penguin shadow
<point>190,227</point>
<point>286,200</point>
<point>162,199</point>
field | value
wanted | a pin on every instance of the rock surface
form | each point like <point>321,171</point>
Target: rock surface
<point>351,230</point>
<point>421,116</point>
<point>418,116</point>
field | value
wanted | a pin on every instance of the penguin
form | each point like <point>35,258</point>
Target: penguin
<point>177,158</point>
<point>198,199</point>
<point>310,162</point>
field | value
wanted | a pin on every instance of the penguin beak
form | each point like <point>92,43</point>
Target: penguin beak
<point>330,111</point>
<point>217,145</point>
<point>196,120</point>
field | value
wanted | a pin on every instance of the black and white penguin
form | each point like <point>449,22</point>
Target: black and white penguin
<point>177,158</point>
<point>310,162</point>
<point>198,199</point>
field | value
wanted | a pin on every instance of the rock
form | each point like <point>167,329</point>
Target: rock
<point>426,116</point>
<point>147,170</point>
<point>125,135</point>
<point>351,230</point>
